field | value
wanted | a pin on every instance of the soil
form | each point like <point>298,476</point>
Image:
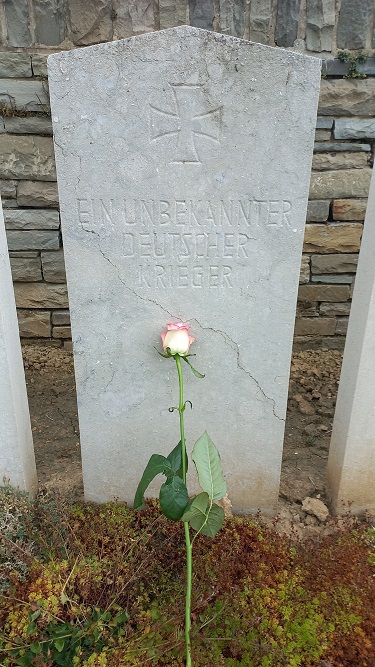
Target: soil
<point>312,394</point>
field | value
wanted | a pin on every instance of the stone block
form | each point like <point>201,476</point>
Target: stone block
<point>35,240</point>
<point>342,326</point>
<point>39,64</point>
<point>15,64</point>
<point>40,295</point>
<point>61,317</point>
<point>17,18</point>
<point>320,21</point>
<point>172,13</point>
<point>304,276</point>
<point>322,135</point>
<point>9,203</point>
<point>201,14</point>
<point>181,155</point>
<point>331,293</point>
<point>50,22</point>
<point>337,67</point>
<point>26,269</point>
<point>349,209</point>
<point>338,147</point>
<point>287,22</point>
<point>91,21</point>
<point>28,219</point>
<point>333,238</point>
<point>34,323</point>
<point>27,157</point>
<point>37,193</point>
<point>232,17</point>
<point>339,184</point>
<point>347,97</point>
<point>306,309</point>
<point>61,332</point>
<point>336,263</point>
<point>28,125</point>
<point>24,94</point>
<point>324,123</point>
<point>68,345</point>
<point>331,161</point>
<point>2,124</point>
<point>260,20</point>
<point>340,279</point>
<point>8,189</point>
<point>53,267</point>
<point>333,309</point>
<point>133,18</point>
<point>353,23</point>
<point>354,128</point>
<point>315,326</point>
<point>317,211</point>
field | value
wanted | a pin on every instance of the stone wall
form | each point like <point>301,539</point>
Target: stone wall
<point>345,138</point>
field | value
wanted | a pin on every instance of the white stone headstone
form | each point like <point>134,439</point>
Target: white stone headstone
<point>183,162</point>
<point>351,462</point>
<point>17,462</point>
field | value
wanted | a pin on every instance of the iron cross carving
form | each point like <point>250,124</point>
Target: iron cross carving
<point>187,122</point>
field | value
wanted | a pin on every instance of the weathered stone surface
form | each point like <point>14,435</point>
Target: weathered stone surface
<point>337,67</point>
<point>8,188</point>
<point>91,21</point>
<point>17,463</point>
<point>9,203</point>
<point>17,16</point>
<point>317,211</point>
<point>353,23</point>
<point>61,332</point>
<point>15,64</point>
<point>39,64</point>
<point>319,26</point>
<point>156,157</point>
<point>37,193</point>
<point>351,462</point>
<point>332,238</point>
<point>201,14</point>
<point>333,309</point>
<point>26,269</point>
<point>34,323</point>
<point>53,267</point>
<point>354,128</point>
<point>341,279</point>
<point>133,18</point>
<point>36,240</point>
<point>337,184</point>
<point>40,295</point>
<point>316,507</point>
<point>287,22</point>
<point>322,135</point>
<point>323,293</point>
<point>2,125</point>
<point>260,19</point>
<point>61,317</point>
<point>346,147</point>
<point>324,123</point>
<point>29,95</point>
<point>304,275</point>
<point>28,125</point>
<point>315,326</point>
<point>232,17</point>
<point>337,263</point>
<point>27,157</point>
<point>328,161</point>
<point>349,209</point>
<point>347,97</point>
<point>172,13</point>
<point>342,326</point>
<point>31,219</point>
<point>50,28</point>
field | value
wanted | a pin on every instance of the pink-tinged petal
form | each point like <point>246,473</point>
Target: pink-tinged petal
<point>192,339</point>
<point>163,335</point>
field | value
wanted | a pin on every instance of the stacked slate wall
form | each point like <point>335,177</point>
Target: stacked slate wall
<point>345,138</point>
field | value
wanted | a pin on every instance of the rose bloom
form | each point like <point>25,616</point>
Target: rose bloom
<point>177,338</point>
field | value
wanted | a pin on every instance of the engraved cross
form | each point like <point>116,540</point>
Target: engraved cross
<point>189,122</point>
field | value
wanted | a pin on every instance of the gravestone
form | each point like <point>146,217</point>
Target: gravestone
<point>351,461</point>
<point>17,463</point>
<point>183,162</point>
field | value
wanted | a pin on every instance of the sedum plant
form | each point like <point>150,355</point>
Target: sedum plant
<point>200,513</point>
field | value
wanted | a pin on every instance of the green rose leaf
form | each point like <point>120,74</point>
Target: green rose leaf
<point>173,498</point>
<point>209,524</point>
<point>175,460</point>
<point>157,465</point>
<point>196,506</point>
<point>196,373</point>
<point>208,464</point>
